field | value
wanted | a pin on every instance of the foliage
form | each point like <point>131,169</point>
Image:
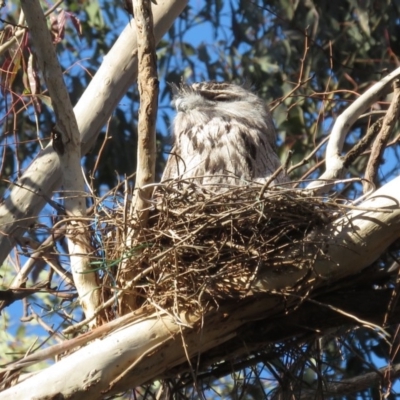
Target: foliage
<point>308,59</point>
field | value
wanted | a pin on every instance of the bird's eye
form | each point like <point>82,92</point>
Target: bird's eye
<point>220,97</point>
<point>216,97</point>
<point>224,98</point>
<point>208,95</point>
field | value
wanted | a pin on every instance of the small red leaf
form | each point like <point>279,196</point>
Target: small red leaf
<point>34,83</point>
<point>32,75</point>
<point>54,29</point>
<point>61,18</point>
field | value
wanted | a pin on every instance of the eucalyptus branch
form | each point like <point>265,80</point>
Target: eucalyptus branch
<point>144,346</point>
<point>146,153</point>
<point>148,91</point>
<point>116,74</point>
<point>334,161</point>
<point>382,139</point>
<point>356,384</point>
<point>66,142</point>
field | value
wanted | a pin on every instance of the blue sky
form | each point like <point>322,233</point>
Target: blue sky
<point>198,35</point>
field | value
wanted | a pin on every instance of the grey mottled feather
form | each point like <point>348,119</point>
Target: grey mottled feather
<point>223,134</point>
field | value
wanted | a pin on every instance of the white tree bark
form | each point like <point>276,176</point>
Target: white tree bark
<point>116,74</point>
<point>69,153</point>
<point>149,346</point>
<point>333,160</point>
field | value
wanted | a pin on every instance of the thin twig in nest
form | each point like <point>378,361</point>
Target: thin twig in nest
<point>201,246</point>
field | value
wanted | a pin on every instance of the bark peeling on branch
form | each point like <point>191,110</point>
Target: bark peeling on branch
<point>116,74</point>
<point>146,153</point>
<point>148,346</point>
<point>148,91</point>
<point>69,152</point>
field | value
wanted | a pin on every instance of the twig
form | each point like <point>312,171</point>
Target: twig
<point>363,144</point>
<point>383,334</point>
<point>379,145</point>
<point>269,181</point>
<point>334,162</point>
<point>307,159</point>
<point>53,7</point>
<point>18,35</point>
<point>109,84</point>
<point>23,273</point>
<point>299,83</point>
<point>275,174</point>
<point>9,296</point>
<point>108,303</point>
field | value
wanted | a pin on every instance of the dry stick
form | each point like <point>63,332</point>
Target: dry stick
<point>105,360</point>
<point>67,144</point>
<point>363,144</point>
<point>379,145</point>
<point>307,159</point>
<point>358,383</point>
<point>114,77</point>
<point>334,161</point>
<point>146,153</point>
<point>148,91</point>
<point>23,273</point>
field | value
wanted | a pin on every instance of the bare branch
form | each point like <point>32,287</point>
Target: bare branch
<point>334,162</point>
<point>66,142</point>
<point>363,144</point>
<point>146,152</point>
<point>132,355</point>
<point>356,384</point>
<point>380,143</point>
<point>148,91</point>
<point>112,80</point>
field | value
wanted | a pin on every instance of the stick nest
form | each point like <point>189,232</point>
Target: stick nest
<point>200,246</point>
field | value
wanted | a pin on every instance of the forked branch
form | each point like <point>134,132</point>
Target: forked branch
<point>116,74</point>
<point>334,161</point>
<point>149,345</point>
<point>382,138</point>
<point>66,142</point>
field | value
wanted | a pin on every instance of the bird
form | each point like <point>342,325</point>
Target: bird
<point>223,136</point>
